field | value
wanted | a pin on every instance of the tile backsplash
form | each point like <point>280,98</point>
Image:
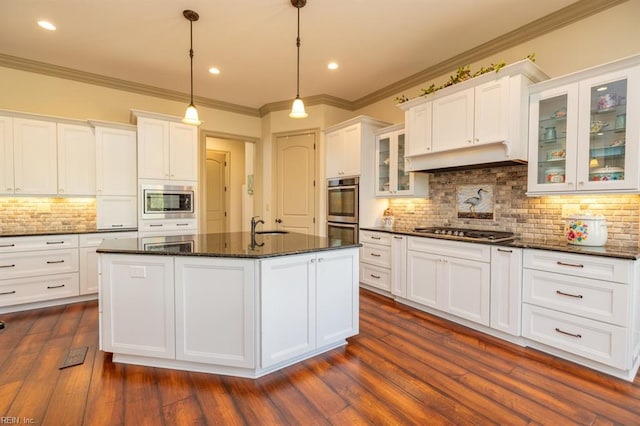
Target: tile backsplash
<point>42,214</point>
<point>539,219</point>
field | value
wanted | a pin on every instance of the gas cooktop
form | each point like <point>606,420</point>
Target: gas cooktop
<point>467,234</point>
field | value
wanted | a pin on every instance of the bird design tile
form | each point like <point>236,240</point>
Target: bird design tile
<point>475,201</point>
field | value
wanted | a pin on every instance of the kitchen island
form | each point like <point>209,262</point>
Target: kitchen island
<point>226,303</point>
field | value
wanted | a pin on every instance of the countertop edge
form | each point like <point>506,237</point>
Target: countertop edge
<point>520,243</point>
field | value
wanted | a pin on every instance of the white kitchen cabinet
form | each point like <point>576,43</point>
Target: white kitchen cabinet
<point>307,302</point>
<point>375,259</point>
<point>584,135</point>
<point>451,276</point>
<point>88,258</point>
<point>76,160</point>
<point>399,265</point>
<point>116,177</point>
<point>583,308</point>
<point>477,121</point>
<point>37,269</point>
<point>167,148</point>
<point>215,311</point>
<point>506,289</point>
<point>127,283</point>
<point>347,144</point>
<point>392,180</point>
<point>34,157</point>
<point>6,155</point>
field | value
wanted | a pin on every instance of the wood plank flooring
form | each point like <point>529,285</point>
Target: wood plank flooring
<point>405,367</point>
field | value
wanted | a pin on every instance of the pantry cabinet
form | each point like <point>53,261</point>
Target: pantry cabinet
<point>167,148</point>
<point>116,178</point>
<point>585,133</point>
<point>391,177</point>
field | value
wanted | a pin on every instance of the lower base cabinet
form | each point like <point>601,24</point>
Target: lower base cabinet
<point>308,301</point>
<point>242,317</point>
<point>450,276</point>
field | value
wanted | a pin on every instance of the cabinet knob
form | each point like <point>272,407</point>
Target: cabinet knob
<point>477,139</point>
<point>98,191</point>
<point>18,189</point>
<point>61,190</point>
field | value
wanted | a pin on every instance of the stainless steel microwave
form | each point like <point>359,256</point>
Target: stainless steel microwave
<point>168,202</point>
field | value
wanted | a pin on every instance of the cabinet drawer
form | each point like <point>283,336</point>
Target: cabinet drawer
<point>470,251</point>
<point>590,339</point>
<point>34,263</point>
<point>167,225</point>
<point>375,276</point>
<point>594,299</point>
<point>596,267</point>
<point>36,289</point>
<point>382,238</point>
<point>376,255</point>
<point>94,240</point>
<point>37,242</point>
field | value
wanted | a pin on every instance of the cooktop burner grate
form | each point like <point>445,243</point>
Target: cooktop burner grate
<point>467,234</point>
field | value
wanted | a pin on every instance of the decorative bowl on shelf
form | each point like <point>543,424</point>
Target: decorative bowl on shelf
<point>606,173</point>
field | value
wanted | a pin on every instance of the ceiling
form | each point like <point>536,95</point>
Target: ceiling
<point>377,43</point>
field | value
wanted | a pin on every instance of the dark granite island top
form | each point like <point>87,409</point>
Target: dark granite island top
<point>230,244</point>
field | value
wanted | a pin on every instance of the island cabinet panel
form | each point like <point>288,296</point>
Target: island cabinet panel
<point>287,307</point>
<point>137,305</point>
<point>215,305</point>
<point>336,296</point>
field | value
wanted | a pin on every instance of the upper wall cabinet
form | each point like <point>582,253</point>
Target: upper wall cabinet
<point>344,142</point>
<point>76,160</point>
<point>34,157</point>
<point>481,120</point>
<point>167,148</point>
<point>6,155</point>
<point>392,179</point>
<point>585,130</point>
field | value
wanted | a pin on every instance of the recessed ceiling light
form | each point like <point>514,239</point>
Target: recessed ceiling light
<point>332,66</point>
<point>214,70</point>
<point>47,25</point>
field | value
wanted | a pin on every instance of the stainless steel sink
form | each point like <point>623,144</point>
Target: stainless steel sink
<point>272,232</point>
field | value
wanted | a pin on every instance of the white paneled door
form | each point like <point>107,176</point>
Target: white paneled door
<point>295,177</point>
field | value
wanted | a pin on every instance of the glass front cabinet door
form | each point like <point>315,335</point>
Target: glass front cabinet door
<point>392,179</point>
<point>584,135</point>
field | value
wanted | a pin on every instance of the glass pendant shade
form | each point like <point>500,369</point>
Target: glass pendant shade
<point>191,116</point>
<point>297,110</point>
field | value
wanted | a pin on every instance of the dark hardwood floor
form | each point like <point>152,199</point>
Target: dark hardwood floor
<point>405,367</point>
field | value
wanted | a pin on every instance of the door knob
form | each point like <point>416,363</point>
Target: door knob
<point>278,220</point>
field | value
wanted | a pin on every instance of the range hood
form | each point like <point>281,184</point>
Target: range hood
<point>473,157</point>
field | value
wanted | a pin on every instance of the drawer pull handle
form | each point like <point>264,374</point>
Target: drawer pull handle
<point>375,255</point>
<point>397,238</point>
<point>55,286</point>
<point>377,277</point>
<point>375,238</point>
<point>562,293</point>
<point>117,226</point>
<point>574,265</point>
<point>155,226</point>
<point>49,262</point>
<point>579,336</point>
<point>182,224</point>
<point>8,292</point>
<point>7,245</point>
<point>505,251</point>
<point>55,242</point>
<point>8,266</point>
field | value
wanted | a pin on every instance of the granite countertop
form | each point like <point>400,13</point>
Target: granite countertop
<point>33,233</point>
<point>231,244</point>
<point>555,244</point>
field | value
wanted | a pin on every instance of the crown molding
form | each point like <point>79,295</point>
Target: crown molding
<point>568,15</point>
<point>563,17</point>
<point>51,70</point>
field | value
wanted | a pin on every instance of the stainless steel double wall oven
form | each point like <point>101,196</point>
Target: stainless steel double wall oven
<point>342,209</point>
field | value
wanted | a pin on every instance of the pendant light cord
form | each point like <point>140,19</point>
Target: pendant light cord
<point>298,63</point>
<point>191,55</point>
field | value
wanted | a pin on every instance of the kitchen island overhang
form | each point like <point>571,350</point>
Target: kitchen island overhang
<point>226,303</point>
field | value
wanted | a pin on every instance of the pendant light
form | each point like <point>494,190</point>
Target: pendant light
<point>297,110</point>
<point>191,115</point>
